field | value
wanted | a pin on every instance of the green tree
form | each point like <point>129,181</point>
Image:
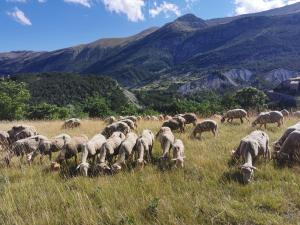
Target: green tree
<point>14,98</point>
<point>48,111</point>
<point>250,97</point>
<point>97,107</point>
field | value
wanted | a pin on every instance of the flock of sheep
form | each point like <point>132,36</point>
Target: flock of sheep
<point>118,145</point>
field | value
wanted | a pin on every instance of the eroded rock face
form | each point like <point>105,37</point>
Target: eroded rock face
<point>276,77</point>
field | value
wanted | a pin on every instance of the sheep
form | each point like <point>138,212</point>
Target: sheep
<point>296,114</point>
<point>161,117</point>
<point>126,150</point>
<point>114,127</point>
<point>70,149</point>
<point>178,153</point>
<point>147,118</point>
<point>130,123</point>
<point>139,118</point>
<point>109,149</point>
<point>4,140</point>
<point>287,132</point>
<point>91,149</point>
<point>250,149</point>
<point>71,123</point>
<point>235,114</point>
<point>167,117</point>
<point>285,113</point>
<point>166,139</point>
<point>154,118</point>
<point>180,119</point>
<point>190,118</point>
<point>205,126</point>
<point>110,120</point>
<point>174,124</point>
<point>47,147</point>
<point>268,117</point>
<point>19,132</point>
<point>132,118</point>
<point>144,145</point>
<point>290,149</point>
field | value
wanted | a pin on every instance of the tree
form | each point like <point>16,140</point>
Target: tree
<point>48,111</point>
<point>14,98</point>
<point>250,97</point>
<point>97,107</point>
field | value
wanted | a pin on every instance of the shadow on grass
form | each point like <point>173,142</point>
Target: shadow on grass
<point>232,176</point>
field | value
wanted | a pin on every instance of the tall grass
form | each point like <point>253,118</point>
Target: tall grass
<point>206,191</point>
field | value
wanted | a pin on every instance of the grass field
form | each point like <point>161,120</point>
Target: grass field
<point>206,191</point>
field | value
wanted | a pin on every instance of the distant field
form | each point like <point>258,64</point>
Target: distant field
<point>206,191</point>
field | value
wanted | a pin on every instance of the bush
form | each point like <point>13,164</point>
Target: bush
<point>47,111</point>
<point>96,107</point>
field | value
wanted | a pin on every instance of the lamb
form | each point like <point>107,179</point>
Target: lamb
<point>126,150</point>
<point>110,120</point>
<point>250,149</point>
<point>190,118</point>
<point>70,149</point>
<point>235,114</point>
<point>285,113</point>
<point>47,147</point>
<point>166,139</point>
<point>71,123</point>
<point>91,149</point>
<point>109,149</point>
<point>144,145</point>
<point>19,132</point>
<point>178,153</point>
<point>268,117</point>
<point>281,140</point>
<point>114,127</point>
<point>290,149</point>
<point>130,123</point>
<point>205,126</point>
<point>174,124</point>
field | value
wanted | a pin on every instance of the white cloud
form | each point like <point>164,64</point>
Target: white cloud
<point>42,1</point>
<point>133,9</point>
<point>22,1</point>
<point>164,7</point>
<point>20,17</point>
<point>86,3</point>
<point>252,6</point>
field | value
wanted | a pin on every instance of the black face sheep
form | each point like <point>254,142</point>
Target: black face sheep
<point>178,153</point>
<point>174,124</point>
<point>116,127</point>
<point>235,114</point>
<point>109,149</point>
<point>70,149</point>
<point>205,126</point>
<point>166,139</point>
<point>250,149</point>
<point>290,149</point>
<point>91,149</point>
<point>268,117</point>
<point>280,141</point>
<point>126,150</point>
<point>144,147</point>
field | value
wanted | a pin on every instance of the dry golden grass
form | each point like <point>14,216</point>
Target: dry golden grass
<point>206,191</point>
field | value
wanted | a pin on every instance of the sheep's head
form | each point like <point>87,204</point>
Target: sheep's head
<point>281,157</point>
<point>83,168</point>
<point>179,161</point>
<point>140,163</point>
<point>247,172</point>
<point>276,146</point>
<point>222,119</point>
<point>103,166</point>
<point>116,167</point>
<point>55,166</point>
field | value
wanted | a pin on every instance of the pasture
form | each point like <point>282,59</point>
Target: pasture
<point>207,191</point>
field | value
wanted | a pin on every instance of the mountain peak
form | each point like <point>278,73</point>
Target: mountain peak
<point>188,18</point>
<point>188,22</point>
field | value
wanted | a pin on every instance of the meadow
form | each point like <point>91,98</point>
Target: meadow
<point>207,191</point>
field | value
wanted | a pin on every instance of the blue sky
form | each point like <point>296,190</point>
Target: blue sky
<point>53,24</point>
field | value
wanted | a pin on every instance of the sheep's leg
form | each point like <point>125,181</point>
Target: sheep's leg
<point>261,125</point>
<point>242,121</point>
<point>75,159</point>
<point>265,125</point>
<point>50,156</point>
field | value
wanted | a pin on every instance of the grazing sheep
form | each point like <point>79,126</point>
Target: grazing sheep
<point>139,118</point>
<point>71,123</point>
<point>110,120</point>
<point>290,149</point>
<point>180,119</point>
<point>178,153</point>
<point>114,127</point>
<point>190,118</point>
<point>154,118</point>
<point>167,117</point>
<point>235,114</point>
<point>4,141</point>
<point>205,126</point>
<point>70,149</point>
<point>130,123</point>
<point>19,132</point>
<point>91,149</point>
<point>109,149</point>
<point>285,113</point>
<point>47,147</point>
<point>132,118</point>
<point>166,139</point>
<point>126,150</point>
<point>174,124</point>
<point>144,145</point>
<point>161,117</point>
<point>147,118</point>
<point>250,149</point>
<point>296,114</point>
<point>268,117</point>
<point>280,141</point>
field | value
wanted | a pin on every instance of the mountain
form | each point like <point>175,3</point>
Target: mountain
<point>187,51</point>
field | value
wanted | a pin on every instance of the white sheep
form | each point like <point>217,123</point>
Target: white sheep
<point>144,145</point>
<point>268,117</point>
<point>166,139</point>
<point>178,152</point>
<point>235,114</point>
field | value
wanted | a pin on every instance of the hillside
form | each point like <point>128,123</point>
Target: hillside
<point>188,48</point>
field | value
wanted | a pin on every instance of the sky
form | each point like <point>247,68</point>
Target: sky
<point>45,25</point>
